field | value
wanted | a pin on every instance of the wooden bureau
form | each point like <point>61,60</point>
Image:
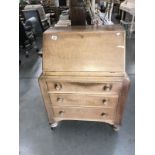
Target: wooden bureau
<point>84,74</point>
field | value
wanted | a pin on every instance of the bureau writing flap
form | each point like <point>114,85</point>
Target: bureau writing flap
<point>84,49</point>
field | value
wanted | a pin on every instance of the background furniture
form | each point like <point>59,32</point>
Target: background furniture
<point>37,11</point>
<point>84,74</point>
<point>40,25</point>
<point>41,12</point>
<point>128,6</point>
<point>77,12</point>
<point>63,19</point>
<point>26,38</point>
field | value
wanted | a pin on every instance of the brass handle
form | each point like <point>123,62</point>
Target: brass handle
<point>61,112</point>
<point>107,87</point>
<point>60,99</point>
<point>104,101</point>
<point>103,114</point>
<point>58,86</point>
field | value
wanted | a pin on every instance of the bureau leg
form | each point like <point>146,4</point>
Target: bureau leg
<point>54,125</point>
<point>116,127</point>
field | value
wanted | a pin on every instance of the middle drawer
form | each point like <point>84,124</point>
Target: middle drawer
<point>108,101</point>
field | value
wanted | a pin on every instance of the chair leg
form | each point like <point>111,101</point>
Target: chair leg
<point>27,54</point>
<point>131,26</point>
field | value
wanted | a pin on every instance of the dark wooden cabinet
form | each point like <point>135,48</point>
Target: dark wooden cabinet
<point>77,12</point>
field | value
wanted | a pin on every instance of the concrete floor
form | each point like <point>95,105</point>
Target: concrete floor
<point>71,137</point>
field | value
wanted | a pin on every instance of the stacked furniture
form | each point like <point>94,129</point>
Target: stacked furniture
<point>26,38</point>
<point>77,12</point>
<point>128,6</point>
<point>43,16</point>
<point>84,74</point>
<point>37,12</point>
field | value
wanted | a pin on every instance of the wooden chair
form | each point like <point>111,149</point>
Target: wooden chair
<point>128,6</point>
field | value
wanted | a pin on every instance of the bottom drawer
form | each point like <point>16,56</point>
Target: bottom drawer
<point>83,113</point>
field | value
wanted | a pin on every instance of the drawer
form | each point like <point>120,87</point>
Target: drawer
<point>83,113</point>
<point>61,99</point>
<point>87,87</point>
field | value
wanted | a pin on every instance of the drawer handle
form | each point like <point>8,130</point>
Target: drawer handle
<point>59,99</point>
<point>103,114</point>
<point>104,101</point>
<point>58,86</point>
<point>107,87</point>
<point>61,112</point>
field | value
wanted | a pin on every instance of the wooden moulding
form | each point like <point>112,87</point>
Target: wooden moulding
<point>89,74</point>
<point>85,78</point>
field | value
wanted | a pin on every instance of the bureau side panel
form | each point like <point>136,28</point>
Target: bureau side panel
<point>122,101</point>
<point>46,98</point>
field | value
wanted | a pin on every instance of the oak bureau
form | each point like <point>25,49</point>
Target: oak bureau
<point>84,74</point>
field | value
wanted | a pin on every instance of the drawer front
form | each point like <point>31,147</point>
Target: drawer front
<point>105,87</point>
<point>79,113</point>
<point>107,101</point>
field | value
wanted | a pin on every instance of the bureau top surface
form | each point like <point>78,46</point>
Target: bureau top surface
<point>84,49</point>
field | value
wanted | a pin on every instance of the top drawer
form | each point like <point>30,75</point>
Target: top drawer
<point>65,86</point>
<point>84,49</point>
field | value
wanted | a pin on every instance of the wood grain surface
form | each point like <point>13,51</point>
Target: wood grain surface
<point>85,51</point>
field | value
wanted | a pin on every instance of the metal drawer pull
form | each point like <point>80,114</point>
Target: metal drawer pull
<point>59,99</point>
<point>58,86</point>
<point>61,112</point>
<point>103,114</point>
<point>104,101</point>
<point>107,87</point>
